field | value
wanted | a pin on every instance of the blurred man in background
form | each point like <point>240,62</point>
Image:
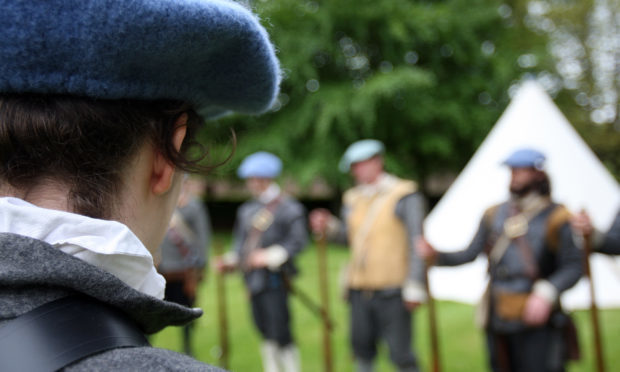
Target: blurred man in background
<point>532,260</point>
<point>381,218</point>
<point>270,230</point>
<point>184,250</point>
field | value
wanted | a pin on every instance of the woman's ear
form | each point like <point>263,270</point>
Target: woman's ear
<point>163,170</point>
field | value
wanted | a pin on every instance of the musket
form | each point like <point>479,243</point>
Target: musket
<point>323,285</point>
<point>221,310</point>
<point>432,321</point>
<point>598,347</point>
<point>307,301</point>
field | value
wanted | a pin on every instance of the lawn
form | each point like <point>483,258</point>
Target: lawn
<point>461,343</point>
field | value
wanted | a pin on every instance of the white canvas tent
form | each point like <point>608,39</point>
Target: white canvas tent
<point>578,180</point>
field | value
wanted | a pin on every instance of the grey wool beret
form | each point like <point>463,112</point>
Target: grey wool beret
<point>213,54</point>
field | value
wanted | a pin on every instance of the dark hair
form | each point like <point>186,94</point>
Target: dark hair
<point>542,185</point>
<point>86,143</point>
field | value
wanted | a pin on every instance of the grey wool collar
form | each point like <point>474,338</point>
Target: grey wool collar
<point>33,272</point>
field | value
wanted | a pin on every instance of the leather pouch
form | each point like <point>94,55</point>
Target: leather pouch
<point>509,305</point>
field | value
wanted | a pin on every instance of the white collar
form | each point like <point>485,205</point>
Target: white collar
<point>384,182</point>
<point>109,245</point>
<point>270,194</point>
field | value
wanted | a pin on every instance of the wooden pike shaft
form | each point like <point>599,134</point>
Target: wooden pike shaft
<point>222,311</point>
<point>323,285</point>
<point>598,346</point>
<point>432,319</point>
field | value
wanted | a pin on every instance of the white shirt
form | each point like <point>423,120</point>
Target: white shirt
<point>384,182</point>
<point>109,245</point>
<point>270,193</point>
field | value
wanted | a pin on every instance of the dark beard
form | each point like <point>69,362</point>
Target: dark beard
<point>523,190</point>
<point>541,186</point>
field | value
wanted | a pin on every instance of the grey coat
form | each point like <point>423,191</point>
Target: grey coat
<point>561,266</point>
<point>33,273</point>
<point>288,230</point>
<point>196,217</point>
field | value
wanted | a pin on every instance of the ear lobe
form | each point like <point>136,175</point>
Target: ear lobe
<point>163,170</point>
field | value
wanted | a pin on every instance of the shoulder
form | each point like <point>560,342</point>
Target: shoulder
<point>139,359</point>
<point>351,195</point>
<point>292,206</point>
<point>246,206</point>
<point>407,185</point>
<point>491,212</point>
<point>401,187</point>
<point>558,219</point>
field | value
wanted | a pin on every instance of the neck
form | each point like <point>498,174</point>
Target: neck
<point>49,195</point>
<point>270,193</point>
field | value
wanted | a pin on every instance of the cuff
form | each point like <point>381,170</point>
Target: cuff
<point>275,256</point>
<point>546,290</point>
<point>414,292</point>
<point>230,258</point>
<point>333,227</point>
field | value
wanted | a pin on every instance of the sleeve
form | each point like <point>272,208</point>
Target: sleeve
<point>610,243</point>
<point>337,231</point>
<point>297,237</point>
<point>411,209</point>
<point>569,260</point>
<point>200,224</point>
<point>469,254</point>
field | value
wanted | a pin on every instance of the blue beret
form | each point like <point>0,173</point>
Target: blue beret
<point>213,54</point>
<point>261,165</point>
<point>526,158</point>
<point>359,151</point>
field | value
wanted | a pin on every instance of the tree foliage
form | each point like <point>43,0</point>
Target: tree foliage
<point>583,39</point>
<point>428,78</point>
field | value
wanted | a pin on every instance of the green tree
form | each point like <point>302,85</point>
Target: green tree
<point>428,78</point>
<point>583,38</point>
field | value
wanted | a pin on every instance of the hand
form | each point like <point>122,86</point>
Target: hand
<point>537,310</point>
<point>222,266</point>
<point>581,223</point>
<point>257,259</point>
<point>319,219</point>
<point>424,249</point>
<point>411,305</point>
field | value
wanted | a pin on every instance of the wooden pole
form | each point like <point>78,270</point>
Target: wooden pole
<point>323,285</point>
<point>222,313</point>
<point>598,347</point>
<point>432,321</point>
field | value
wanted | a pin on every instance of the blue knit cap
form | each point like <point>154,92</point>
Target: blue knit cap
<point>360,151</point>
<point>260,165</point>
<point>526,158</point>
<point>213,54</point>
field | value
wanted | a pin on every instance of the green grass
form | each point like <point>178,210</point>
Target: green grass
<point>461,343</point>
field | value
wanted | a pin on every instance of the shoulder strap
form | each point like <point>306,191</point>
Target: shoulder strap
<point>259,223</point>
<point>558,217</point>
<point>61,332</point>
